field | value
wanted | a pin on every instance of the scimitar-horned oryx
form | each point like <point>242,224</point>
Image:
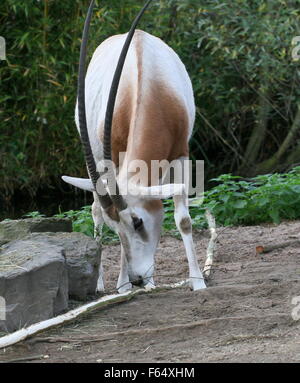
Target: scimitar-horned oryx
<point>147,114</point>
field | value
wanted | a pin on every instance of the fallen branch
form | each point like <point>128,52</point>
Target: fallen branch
<point>212,242</point>
<point>26,359</point>
<point>269,248</point>
<point>162,329</point>
<point>53,339</point>
<point>24,333</point>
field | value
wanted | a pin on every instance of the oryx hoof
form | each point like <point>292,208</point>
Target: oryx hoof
<point>197,283</point>
<point>125,288</point>
<point>149,286</point>
<point>100,286</point>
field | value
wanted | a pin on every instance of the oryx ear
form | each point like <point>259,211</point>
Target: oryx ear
<point>159,191</point>
<point>81,183</point>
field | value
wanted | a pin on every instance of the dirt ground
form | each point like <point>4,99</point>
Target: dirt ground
<point>245,315</point>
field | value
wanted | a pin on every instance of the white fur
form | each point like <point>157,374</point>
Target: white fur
<point>156,54</point>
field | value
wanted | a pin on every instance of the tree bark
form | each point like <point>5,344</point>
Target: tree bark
<point>273,162</point>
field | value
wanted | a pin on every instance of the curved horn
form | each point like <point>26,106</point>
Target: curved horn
<point>117,198</point>
<point>104,197</point>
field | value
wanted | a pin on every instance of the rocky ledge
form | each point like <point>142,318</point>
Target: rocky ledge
<point>43,264</point>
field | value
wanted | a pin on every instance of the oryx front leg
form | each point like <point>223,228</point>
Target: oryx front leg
<point>184,225</point>
<point>212,243</point>
<point>98,224</point>
<point>150,285</point>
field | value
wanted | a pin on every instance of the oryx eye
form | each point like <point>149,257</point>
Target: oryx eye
<point>137,223</point>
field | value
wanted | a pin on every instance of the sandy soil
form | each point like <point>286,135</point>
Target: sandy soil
<point>245,315</point>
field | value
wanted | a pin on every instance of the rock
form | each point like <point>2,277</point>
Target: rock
<point>83,260</point>
<point>33,282</point>
<point>83,257</point>
<point>11,230</point>
<point>39,270</point>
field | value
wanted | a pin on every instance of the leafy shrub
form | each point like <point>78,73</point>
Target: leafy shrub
<point>238,54</point>
<point>83,222</point>
<point>265,198</point>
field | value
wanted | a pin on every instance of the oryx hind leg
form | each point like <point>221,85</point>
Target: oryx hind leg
<point>123,284</point>
<point>98,225</point>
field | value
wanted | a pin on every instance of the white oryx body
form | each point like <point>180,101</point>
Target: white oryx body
<point>148,61</point>
<point>153,120</point>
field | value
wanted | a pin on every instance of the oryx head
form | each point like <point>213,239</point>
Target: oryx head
<point>135,217</point>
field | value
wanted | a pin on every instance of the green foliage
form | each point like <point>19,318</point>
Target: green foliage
<point>267,198</point>
<point>34,214</point>
<point>238,54</point>
<point>83,222</point>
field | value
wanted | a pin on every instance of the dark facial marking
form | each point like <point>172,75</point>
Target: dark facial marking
<point>143,234</point>
<point>140,228</point>
<point>137,223</point>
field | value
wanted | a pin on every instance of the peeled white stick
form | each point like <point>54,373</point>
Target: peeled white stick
<point>18,336</point>
<point>212,242</point>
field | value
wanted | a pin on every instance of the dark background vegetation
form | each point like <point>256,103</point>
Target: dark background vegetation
<point>238,54</point>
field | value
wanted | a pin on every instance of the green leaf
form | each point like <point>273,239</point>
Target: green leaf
<point>274,214</point>
<point>239,204</point>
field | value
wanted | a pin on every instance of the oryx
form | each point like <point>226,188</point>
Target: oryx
<point>148,114</point>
